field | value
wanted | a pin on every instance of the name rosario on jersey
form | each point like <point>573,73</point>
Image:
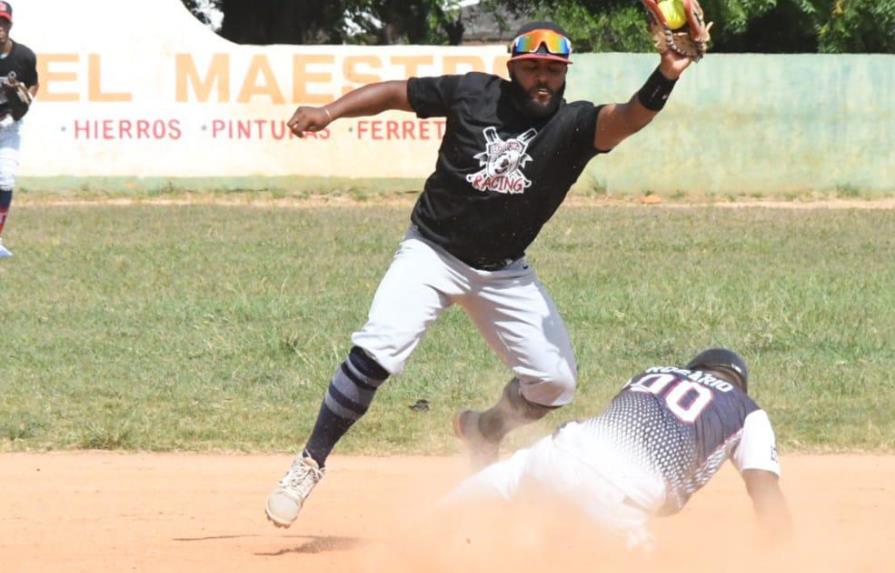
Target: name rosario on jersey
<point>502,163</point>
<point>695,376</point>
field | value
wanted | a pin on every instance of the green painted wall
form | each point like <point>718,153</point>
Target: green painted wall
<point>751,123</point>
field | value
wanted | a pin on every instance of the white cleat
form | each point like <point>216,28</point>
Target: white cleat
<point>4,252</point>
<point>284,502</point>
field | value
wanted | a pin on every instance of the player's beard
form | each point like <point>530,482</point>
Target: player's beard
<point>530,107</point>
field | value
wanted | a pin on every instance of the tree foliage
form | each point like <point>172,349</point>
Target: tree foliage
<point>858,26</point>
<point>284,21</point>
<point>770,26</point>
<point>335,21</point>
<point>406,21</point>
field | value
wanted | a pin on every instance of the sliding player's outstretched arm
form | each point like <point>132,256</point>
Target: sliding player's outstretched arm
<point>769,504</point>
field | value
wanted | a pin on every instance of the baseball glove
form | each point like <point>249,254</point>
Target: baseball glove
<point>17,95</point>
<point>690,39</point>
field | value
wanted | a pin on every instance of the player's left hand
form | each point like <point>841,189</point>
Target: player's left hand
<point>672,64</point>
<point>688,39</point>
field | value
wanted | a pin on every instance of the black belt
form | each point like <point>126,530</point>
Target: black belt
<point>493,266</point>
<point>489,265</point>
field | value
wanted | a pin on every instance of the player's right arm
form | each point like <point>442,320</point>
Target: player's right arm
<point>769,504</point>
<point>756,459</point>
<point>371,99</point>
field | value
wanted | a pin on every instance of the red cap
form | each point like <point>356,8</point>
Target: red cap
<point>541,56</point>
<point>6,10</point>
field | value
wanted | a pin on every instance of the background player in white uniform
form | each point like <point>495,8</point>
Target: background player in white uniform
<point>18,64</point>
<point>510,152</point>
<point>664,435</point>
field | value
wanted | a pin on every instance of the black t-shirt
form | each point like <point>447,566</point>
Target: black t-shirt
<point>23,62</point>
<point>500,175</point>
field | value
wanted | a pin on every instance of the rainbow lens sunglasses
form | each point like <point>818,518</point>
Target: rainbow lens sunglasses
<point>529,43</point>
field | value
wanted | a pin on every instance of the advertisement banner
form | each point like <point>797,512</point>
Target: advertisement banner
<point>136,89</point>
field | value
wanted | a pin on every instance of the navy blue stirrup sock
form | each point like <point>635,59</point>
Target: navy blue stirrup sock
<point>347,399</point>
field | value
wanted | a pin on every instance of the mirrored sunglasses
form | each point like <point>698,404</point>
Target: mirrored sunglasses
<point>530,43</point>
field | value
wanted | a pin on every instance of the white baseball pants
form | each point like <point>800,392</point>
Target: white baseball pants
<point>9,154</point>
<point>605,491</point>
<point>510,307</point>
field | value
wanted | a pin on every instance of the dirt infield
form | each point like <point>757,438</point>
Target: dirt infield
<point>108,512</point>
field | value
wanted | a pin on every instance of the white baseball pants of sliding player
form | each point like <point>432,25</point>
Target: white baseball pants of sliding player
<point>510,307</point>
<point>591,474</point>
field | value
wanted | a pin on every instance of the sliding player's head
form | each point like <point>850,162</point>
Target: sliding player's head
<point>725,363</point>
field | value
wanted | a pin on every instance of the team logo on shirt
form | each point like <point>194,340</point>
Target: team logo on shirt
<point>502,163</point>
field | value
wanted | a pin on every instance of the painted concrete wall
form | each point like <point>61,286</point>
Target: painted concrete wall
<point>159,95</point>
<point>752,123</point>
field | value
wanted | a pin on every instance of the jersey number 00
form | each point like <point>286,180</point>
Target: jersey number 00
<point>684,398</point>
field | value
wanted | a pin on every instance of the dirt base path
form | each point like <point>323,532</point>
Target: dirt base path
<point>106,512</point>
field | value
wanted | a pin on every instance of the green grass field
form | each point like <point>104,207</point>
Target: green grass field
<point>218,327</point>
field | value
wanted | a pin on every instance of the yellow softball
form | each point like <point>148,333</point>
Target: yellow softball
<point>674,13</point>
